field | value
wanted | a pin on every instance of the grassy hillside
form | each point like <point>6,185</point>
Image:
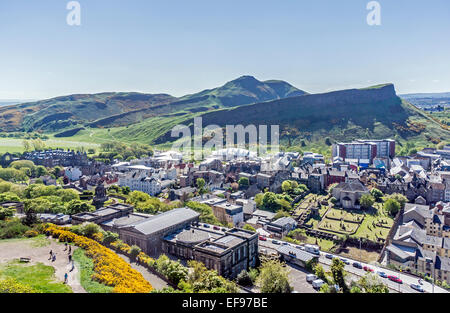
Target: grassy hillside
<point>103,110</point>
<point>308,122</point>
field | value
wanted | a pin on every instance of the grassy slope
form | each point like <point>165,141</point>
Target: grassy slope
<point>40,277</point>
<point>313,135</point>
<point>86,266</point>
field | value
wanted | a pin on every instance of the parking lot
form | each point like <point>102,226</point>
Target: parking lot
<point>297,277</point>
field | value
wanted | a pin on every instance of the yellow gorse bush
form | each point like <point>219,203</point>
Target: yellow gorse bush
<point>109,268</point>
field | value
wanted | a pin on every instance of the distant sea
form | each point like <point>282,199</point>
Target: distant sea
<point>4,102</point>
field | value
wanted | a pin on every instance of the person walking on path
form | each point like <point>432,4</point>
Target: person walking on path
<point>65,246</point>
<point>70,249</point>
<point>70,258</point>
<point>51,254</point>
<point>65,278</point>
<point>54,258</point>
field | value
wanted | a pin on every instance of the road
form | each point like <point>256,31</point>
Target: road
<point>406,278</point>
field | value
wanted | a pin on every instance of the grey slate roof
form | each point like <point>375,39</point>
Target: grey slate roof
<point>295,253</point>
<point>165,220</point>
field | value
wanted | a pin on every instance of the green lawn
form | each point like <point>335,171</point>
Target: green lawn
<point>12,145</point>
<point>367,228</point>
<point>86,266</point>
<point>333,225</point>
<point>40,277</point>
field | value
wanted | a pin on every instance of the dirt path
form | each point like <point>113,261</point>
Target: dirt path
<point>14,249</point>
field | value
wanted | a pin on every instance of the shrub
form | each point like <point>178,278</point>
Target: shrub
<point>12,228</point>
<point>244,279</point>
<point>110,237</point>
<point>134,252</point>
<point>12,286</point>
<point>31,233</point>
<point>109,268</point>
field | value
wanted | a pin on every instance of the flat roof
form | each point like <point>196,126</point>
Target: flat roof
<point>230,240</point>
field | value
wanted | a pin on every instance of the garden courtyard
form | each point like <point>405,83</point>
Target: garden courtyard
<point>372,224</point>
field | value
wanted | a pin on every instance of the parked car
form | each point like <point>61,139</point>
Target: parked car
<point>395,279</point>
<point>310,278</point>
<point>382,274</point>
<point>224,229</point>
<point>357,265</point>
<point>206,225</point>
<point>367,269</point>
<point>275,242</point>
<point>285,243</point>
<point>417,287</point>
<point>345,261</point>
<point>329,256</point>
<point>216,227</point>
<point>300,247</point>
<point>262,238</point>
<point>317,283</point>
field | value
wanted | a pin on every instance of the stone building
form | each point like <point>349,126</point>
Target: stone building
<point>99,216</point>
<point>228,253</point>
<point>348,194</point>
<point>148,233</point>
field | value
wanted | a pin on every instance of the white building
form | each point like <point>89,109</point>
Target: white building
<point>73,173</point>
<point>141,182</point>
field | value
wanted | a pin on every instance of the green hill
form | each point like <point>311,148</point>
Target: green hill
<point>308,120</point>
<point>122,109</point>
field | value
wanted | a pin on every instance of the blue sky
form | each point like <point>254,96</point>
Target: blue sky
<point>184,46</point>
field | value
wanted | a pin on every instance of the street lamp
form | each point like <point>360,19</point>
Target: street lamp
<point>360,253</point>
<point>430,261</point>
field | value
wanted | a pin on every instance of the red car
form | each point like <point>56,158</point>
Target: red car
<point>367,269</point>
<point>395,279</point>
<point>216,227</point>
<point>262,238</point>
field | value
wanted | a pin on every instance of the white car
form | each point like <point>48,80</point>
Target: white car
<point>310,278</point>
<point>317,283</point>
<point>417,287</point>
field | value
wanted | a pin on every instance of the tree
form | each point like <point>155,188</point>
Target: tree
<point>337,270</point>
<point>6,212</point>
<point>26,145</point>
<point>371,283</point>
<point>366,201</point>
<point>110,237</point>
<point>376,193</point>
<point>399,198</point>
<point>320,273</point>
<point>30,218</point>
<point>286,186</point>
<point>280,214</point>
<point>77,206</point>
<point>244,279</point>
<point>201,185</point>
<point>89,229</point>
<point>259,199</point>
<point>244,182</point>
<point>134,252</point>
<point>249,227</point>
<point>273,277</point>
<point>270,201</point>
<point>392,206</point>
